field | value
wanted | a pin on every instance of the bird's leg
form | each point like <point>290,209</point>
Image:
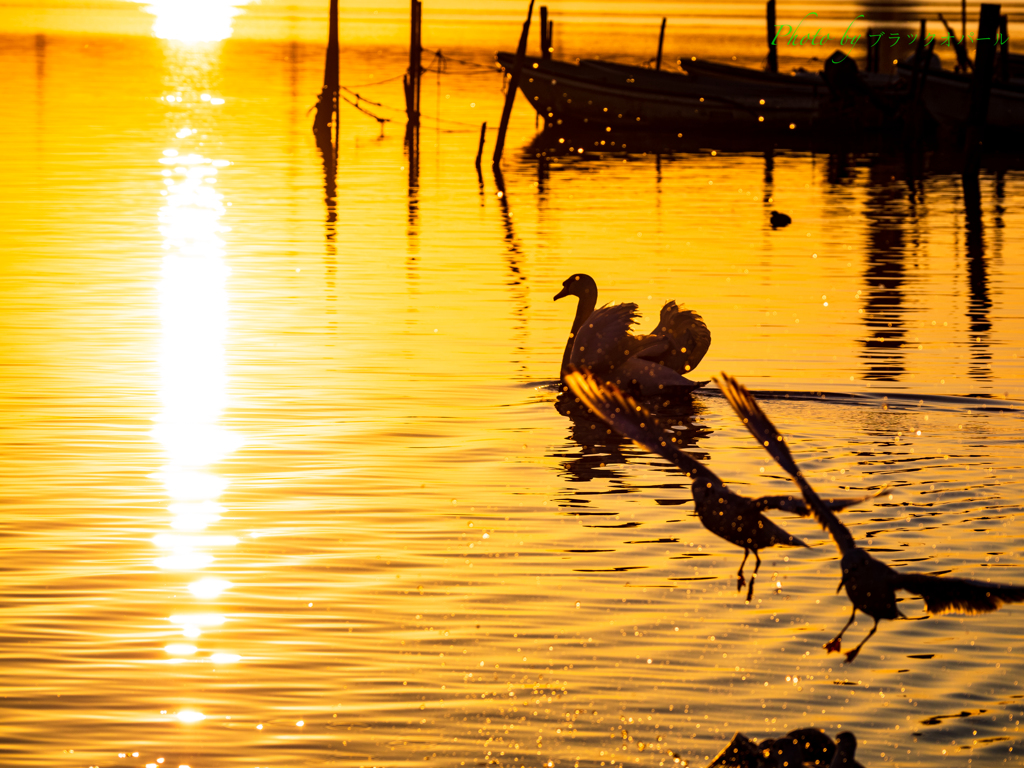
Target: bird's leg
<point>753,576</point>
<point>841,582</point>
<point>742,580</point>
<point>837,642</point>
<point>853,654</point>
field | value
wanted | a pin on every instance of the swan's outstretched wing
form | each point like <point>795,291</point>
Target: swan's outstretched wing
<point>944,594</point>
<point>688,336</point>
<point>798,505</point>
<point>631,420</point>
<point>761,427</point>
<point>604,340</point>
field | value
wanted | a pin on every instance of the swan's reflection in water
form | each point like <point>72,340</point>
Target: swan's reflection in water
<point>600,448</point>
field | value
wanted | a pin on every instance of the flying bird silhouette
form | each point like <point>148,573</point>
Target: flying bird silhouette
<point>737,519</point>
<point>870,584</point>
<point>649,365</point>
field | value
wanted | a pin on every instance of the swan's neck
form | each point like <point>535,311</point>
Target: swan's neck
<point>584,309</point>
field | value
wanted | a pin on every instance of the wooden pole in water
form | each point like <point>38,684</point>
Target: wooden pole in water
<point>513,85</point>
<point>545,44</point>
<point>412,89</point>
<point>551,39</point>
<point>661,43</point>
<point>773,51</point>
<point>327,103</point>
<point>1004,49</point>
<point>922,58</point>
<point>981,85</point>
<point>963,18</point>
<point>480,146</point>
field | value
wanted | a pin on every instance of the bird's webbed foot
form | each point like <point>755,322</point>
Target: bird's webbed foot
<point>851,655</point>
<point>750,591</point>
<point>834,645</point>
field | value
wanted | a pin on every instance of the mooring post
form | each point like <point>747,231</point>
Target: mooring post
<point>327,102</point>
<point>919,63</point>
<point>412,90</point>
<point>513,86</point>
<point>545,44</point>
<point>661,43</point>
<point>922,58</point>
<point>480,146</point>
<point>1004,49</point>
<point>773,50</point>
<point>981,85</point>
<point>551,38</point>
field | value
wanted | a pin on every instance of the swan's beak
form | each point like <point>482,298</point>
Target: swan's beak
<point>562,293</point>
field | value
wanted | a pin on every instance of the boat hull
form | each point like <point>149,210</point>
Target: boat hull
<point>948,99</point>
<point>593,93</point>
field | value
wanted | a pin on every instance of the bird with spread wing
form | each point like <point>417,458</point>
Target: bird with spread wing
<point>651,365</point>
<point>738,519</point>
<point>870,584</point>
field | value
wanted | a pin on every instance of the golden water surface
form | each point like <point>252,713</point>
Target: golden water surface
<point>283,479</point>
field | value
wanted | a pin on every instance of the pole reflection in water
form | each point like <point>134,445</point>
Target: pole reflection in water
<point>884,277</point>
<point>193,302</point>
<point>329,156</point>
<point>412,149</point>
<point>980,304</point>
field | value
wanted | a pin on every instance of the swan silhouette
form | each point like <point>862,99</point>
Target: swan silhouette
<point>870,584</point>
<point>738,519</point>
<point>653,365</point>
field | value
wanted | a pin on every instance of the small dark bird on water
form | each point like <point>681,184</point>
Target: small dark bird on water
<point>780,220</point>
<point>651,365</point>
<point>870,584</point>
<point>735,518</point>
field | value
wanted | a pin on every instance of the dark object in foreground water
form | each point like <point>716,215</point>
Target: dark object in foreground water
<point>802,747</point>
<point>735,518</point>
<point>870,584</point>
<point>805,746</point>
<point>846,747</point>
<point>780,220</point>
<point>649,366</point>
<point>741,752</point>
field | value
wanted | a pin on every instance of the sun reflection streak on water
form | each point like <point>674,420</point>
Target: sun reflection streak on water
<point>193,310</point>
<point>193,21</point>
